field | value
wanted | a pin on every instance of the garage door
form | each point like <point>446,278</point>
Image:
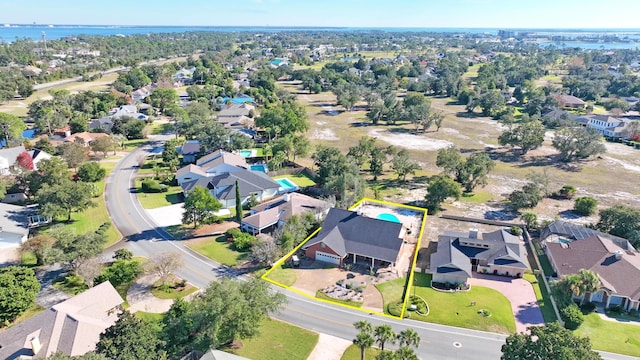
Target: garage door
<point>330,258</point>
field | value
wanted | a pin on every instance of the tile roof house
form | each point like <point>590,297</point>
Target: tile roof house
<point>223,186</point>
<point>460,254</point>
<point>213,163</point>
<point>569,101</point>
<point>275,212</point>
<point>346,234</point>
<point>72,327</point>
<point>616,264</point>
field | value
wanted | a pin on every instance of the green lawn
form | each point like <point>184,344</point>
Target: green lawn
<point>353,353</point>
<point>480,197</point>
<point>278,340</point>
<point>92,218</point>
<point>133,144</point>
<point>72,285</point>
<point>391,291</point>
<point>299,179</point>
<point>149,317</point>
<point>611,336</point>
<point>156,200</point>
<point>285,276</point>
<point>218,249</point>
<point>173,293</point>
<point>321,295</point>
<point>455,309</point>
<point>544,300</point>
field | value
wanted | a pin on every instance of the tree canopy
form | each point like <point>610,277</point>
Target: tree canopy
<point>199,205</point>
<point>130,338</point>
<point>18,289</point>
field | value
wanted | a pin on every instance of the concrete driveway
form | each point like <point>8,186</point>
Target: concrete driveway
<point>172,214</point>
<point>521,295</point>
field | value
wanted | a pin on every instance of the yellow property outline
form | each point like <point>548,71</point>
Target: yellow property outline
<point>409,281</point>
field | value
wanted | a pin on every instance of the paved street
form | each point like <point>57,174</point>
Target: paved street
<point>144,238</point>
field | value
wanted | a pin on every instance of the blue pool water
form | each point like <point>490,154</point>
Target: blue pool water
<point>286,184</point>
<point>388,217</point>
<point>259,167</point>
<point>564,241</point>
<point>245,153</point>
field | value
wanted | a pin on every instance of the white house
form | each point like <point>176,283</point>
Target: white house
<point>14,225</point>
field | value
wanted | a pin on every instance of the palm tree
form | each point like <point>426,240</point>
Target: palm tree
<point>363,326</point>
<point>384,334</point>
<point>409,337</point>
<point>386,355</point>
<point>363,341</point>
<point>589,282</point>
<point>405,353</point>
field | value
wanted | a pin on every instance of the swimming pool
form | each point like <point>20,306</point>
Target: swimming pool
<point>245,153</point>
<point>286,184</point>
<point>260,167</point>
<point>388,217</point>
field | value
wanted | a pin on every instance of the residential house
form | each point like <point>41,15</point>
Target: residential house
<point>213,163</point>
<point>571,248</point>
<point>241,122</point>
<point>223,186</point>
<point>346,235</point>
<point>624,130</point>
<point>85,138</point>
<point>14,225</point>
<point>460,254</point>
<point>106,123</point>
<point>38,155</point>
<point>189,150</point>
<point>234,111</point>
<point>558,114</point>
<point>603,122</point>
<point>72,327</point>
<point>273,213</point>
<point>216,355</point>
<point>569,101</point>
<point>8,158</point>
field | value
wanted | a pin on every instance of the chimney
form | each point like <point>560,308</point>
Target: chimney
<point>473,233</point>
<point>35,345</point>
<point>286,198</point>
<point>618,254</point>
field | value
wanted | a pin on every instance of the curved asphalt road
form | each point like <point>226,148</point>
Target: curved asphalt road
<point>144,237</point>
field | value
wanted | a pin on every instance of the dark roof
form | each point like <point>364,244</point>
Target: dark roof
<point>190,147</point>
<point>448,259</point>
<point>502,249</point>
<point>249,181</point>
<point>558,114</point>
<point>346,232</point>
<point>579,232</point>
<point>597,254</point>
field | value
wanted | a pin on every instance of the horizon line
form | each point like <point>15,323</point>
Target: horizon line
<point>321,26</point>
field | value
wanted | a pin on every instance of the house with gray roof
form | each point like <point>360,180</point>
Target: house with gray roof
<point>9,157</point>
<point>348,236</point>
<point>211,164</point>
<point>223,186</point>
<point>189,150</point>
<point>72,327</point>
<point>569,101</point>
<point>460,254</point>
<point>14,225</point>
<point>273,213</point>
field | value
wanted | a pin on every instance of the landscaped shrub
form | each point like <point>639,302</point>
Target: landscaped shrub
<point>572,316</point>
<point>395,309</point>
<point>484,313</point>
<point>567,192</point>
<point>120,272</point>
<point>123,254</point>
<point>420,303</point>
<point>585,206</point>
<point>244,242</point>
<point>616,309</point>
<point>588,307</point>
<point>233,233</point>
<point>152,186</point>
<point>516,230</point>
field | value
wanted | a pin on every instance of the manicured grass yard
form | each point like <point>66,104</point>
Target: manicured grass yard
<point>544,301</point>
<point>301,179</point>
<point>391,291</point>
<point>480,197</point>
<point>285,276</point>
<point>611,336</point>
<point>149,317</point>
<point>217,249</point>
<point>156,200</point>
<point>353,353</point>
<point>278,340</point>
<point>174,292</point>
<point>455,309</point>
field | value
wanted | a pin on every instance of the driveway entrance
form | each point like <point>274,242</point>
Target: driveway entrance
<point>521,295</point>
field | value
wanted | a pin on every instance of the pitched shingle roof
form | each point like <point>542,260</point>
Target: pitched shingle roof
<point>72,326</point>
<point>579,232</point>
<point>346,232</point>
<point>249,181</point>
<point>282,208</point>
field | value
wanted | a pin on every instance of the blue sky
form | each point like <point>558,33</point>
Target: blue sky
<point>350,13</point>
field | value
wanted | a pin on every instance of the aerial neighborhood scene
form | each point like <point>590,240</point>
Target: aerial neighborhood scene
<point>335,180</point>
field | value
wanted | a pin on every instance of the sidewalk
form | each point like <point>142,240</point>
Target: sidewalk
<point>329,348</point>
